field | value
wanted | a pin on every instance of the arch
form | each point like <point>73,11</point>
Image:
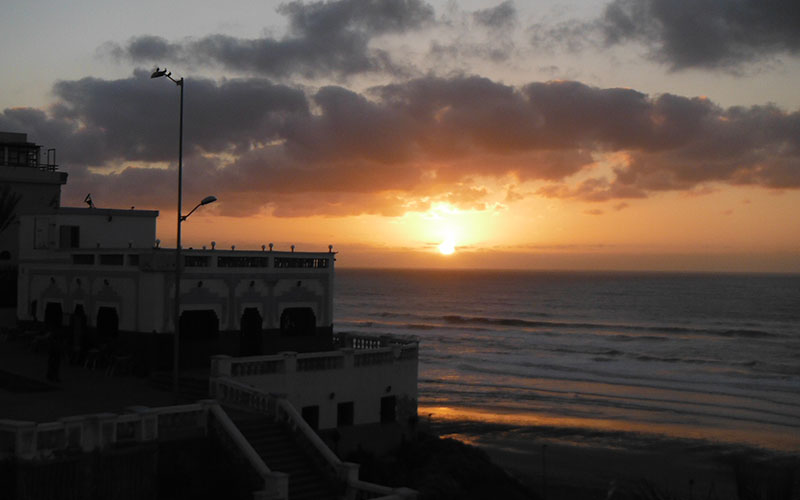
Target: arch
<point>199,324</point>
<point>298,321</point>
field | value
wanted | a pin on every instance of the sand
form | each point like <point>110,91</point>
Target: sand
<point>575,464</point>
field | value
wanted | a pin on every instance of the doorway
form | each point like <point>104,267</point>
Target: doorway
<point>250,340</point>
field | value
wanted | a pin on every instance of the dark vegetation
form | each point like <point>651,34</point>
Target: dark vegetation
<point>441,469</point>
<point>202,468</point>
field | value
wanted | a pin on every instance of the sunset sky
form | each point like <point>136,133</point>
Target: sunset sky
<point>559,134</point>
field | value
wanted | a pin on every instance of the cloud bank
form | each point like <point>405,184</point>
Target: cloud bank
<point>323,39</point>
<point>262,146</point>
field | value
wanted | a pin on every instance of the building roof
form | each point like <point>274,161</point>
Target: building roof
<point>96,211</point>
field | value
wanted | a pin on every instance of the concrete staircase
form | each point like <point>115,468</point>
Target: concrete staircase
<point>277,447</point>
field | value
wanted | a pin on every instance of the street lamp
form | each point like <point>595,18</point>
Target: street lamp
<point>158,73</point>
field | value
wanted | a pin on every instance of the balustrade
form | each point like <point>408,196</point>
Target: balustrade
<point>257,367</point>
<point>90,432</point>
<point>376,357</point>
<point>319,362</point>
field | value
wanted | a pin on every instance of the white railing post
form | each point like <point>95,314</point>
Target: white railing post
<point>148,430</point>
<point>107,427</point>
<point>290,361</point>
<point>347,355</point>
<point>25,442</point>
<point>73,428</point>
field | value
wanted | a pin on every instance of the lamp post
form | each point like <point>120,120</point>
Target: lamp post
<point>158,73</point>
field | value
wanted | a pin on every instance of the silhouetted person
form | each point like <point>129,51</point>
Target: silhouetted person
<point>54,353</point>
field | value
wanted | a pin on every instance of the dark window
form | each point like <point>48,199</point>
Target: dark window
<point>83,259</point>
<point>311,416</point>
<point>5,255</point>
<point>196,260</point>
<point>112,259</point>
<point>133,260</point>
<point>388,409</point>
<point>300,262</point>
<point>69,237</point>
<point>298,321</point>
<point>344,414</point>
<point>243,261</point>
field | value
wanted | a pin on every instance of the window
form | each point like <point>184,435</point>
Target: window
<point>112,259</point>
<point>41,226</point>
<point>83,259</point>
<point>196,260</point>
<point>69,237</point>
<point>344,414</point>
<point>299,262</point>
<point>242,261</point>
<point>133,259</point>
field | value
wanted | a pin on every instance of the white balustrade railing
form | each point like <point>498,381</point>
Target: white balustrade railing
<point>360,341</point>
<point>27,440</point>
<point>320,361</point>
<point>357,351</point>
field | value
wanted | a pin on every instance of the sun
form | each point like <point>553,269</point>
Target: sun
<point>447,247</point>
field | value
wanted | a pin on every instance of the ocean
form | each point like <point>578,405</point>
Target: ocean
<point>714,357</point>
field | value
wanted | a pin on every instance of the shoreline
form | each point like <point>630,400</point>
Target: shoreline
<point>573,463</point>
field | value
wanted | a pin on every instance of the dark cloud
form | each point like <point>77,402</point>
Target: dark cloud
<point>492,41</point>
<point>400,147</point>
<point>324,38</point>
<point>571,35</point>
<point>706,33</point>
<point>502,16</point>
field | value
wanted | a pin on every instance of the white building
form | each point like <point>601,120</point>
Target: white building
<point>103,269</point>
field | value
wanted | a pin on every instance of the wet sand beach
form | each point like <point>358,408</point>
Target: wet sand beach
<point>578,464</point>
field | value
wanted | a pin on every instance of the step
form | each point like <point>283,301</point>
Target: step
<point>277,447</point>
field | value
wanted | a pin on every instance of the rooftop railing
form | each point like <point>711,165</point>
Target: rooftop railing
<point>157,259</point>
<point>374,351</point>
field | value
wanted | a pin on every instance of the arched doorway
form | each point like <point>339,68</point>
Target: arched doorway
<point>298,321</point>
<point>250,340</point>
<point>199,325</point>
<point>199,337</point>
<point>53,315</point>
<point>107,324</point>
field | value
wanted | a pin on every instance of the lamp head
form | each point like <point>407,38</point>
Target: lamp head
<point>159,73</point>
<point>208,199</point>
